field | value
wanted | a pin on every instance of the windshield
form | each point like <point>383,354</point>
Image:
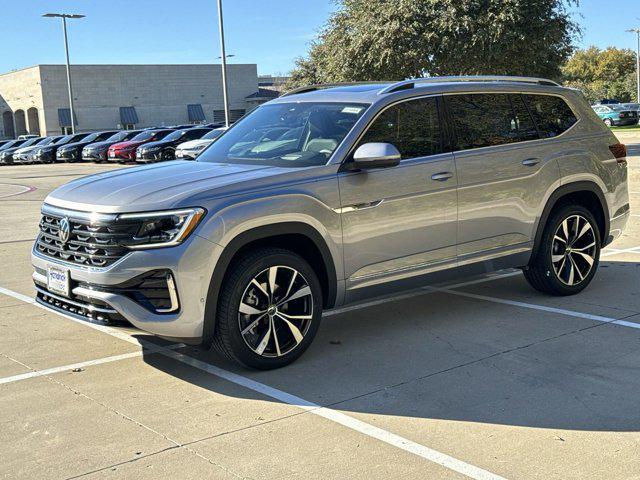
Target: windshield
<point>63,140</point>
<point>47,141</point>
<point>286,134</point>
<point>31,141</point>
<point>91,138</point>
<point>213,134</point>
<point>176,135</point>
<point>116,137</point>
<point>146,135</point>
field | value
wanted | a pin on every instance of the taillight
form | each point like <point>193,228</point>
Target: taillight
<point>619,151</point>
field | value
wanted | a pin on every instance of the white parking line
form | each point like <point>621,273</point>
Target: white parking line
<point>543,308</point>
<point>372,431</point>
<point>88,363</point>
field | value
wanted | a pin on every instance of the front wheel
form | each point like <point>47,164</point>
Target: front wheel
<point>269,309</point>
<point>608,122</point>
<point>569,252</point>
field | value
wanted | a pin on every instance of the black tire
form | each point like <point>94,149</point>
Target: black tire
<point>237,286</point>
<point>541,272</point>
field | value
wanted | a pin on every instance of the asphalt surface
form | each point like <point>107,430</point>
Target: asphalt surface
<point>487,379</point>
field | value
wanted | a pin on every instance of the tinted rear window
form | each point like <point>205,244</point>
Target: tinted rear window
<point>486,120</point>
<point>552,114</point>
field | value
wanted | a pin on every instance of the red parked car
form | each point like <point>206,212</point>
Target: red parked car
<point>123,151</point>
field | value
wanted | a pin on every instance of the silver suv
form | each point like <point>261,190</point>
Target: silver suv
<point>332,194</point>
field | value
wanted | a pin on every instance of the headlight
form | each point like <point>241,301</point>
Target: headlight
<point>197,148</point>
<point>162,229</point>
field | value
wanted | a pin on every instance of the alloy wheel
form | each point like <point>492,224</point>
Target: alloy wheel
<point>573,250</point>
<point>276,311</point>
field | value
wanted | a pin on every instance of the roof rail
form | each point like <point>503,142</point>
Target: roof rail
<point>321,86</point>
<point>411,83</point>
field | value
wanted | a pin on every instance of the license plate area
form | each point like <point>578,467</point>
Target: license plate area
<point>58,281</point>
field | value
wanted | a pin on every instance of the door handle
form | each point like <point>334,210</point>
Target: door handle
<point>442,176</point>
<point>531,162</point>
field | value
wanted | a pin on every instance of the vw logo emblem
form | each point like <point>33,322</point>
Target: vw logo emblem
<point>65,230</point>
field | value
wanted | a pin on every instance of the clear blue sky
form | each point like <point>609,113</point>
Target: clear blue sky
<point>270,33</point>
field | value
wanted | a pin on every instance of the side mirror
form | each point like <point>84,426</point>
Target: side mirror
<point>376,155</point>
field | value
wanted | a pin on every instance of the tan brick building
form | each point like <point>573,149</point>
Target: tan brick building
<point>35,99</point>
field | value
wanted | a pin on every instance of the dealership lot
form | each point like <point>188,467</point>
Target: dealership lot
<point>483,379</point>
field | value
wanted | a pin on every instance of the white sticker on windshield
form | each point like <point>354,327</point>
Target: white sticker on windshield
<point>352,110</point>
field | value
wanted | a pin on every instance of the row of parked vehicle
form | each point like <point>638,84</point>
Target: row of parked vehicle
<point>148,145</point>
<point>618,114</point>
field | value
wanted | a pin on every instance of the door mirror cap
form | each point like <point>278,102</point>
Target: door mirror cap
<point>376,155</point>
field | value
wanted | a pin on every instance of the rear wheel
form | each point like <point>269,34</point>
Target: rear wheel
<point>569,252</point>
<point>269,309</point>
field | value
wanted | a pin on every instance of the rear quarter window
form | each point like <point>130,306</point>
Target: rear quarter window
<point>552,114</point>
<point>489,119</point>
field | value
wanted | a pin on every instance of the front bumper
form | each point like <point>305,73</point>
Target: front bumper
<point>121,156</point>
<point>146,157</point>
<point>187,154</point>
<point>191,265</point>
<point>64,156</point>
<point>94,155</point>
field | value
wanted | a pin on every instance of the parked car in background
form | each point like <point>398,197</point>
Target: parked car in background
<point>72,152</point>
<point>22,154</point>
<point>191,149</point>
<point>11,144</point>
<point>97,151</point>
<point>165,149</point>
<point>616,115</point>
<point>6,155</point>
<point>607,101</point>
<point>28,136</point>
<point>124,151</point>
<point>631,106</point>
<point>47,153</point>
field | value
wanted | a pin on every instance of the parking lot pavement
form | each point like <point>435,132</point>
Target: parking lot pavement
<point>485,379</point>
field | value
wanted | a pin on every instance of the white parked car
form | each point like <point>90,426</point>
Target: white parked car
<point>191,149</point>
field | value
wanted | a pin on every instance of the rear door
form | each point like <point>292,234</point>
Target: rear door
<point>503,170</point>
<point>399,222</point>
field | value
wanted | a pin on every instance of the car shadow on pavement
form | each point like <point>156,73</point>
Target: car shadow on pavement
<point>442,356</point>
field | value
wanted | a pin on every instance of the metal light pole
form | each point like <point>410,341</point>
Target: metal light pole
<point>64,17</point>
<point>637,32</point>
<point>225,92</point>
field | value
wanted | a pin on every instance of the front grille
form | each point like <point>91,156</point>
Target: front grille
<point>89,244</point>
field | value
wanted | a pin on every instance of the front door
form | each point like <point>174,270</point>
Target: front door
<point>400,222</point>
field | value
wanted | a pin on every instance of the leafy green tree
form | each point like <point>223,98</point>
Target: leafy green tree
<point>608,73</point>
<point>398,39</point>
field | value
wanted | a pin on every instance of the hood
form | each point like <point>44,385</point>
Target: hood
<point>195,143</point>
<point>100,145</point>
<point>157,143</point>
<point>127,144</point>
<point>26,149</point>
<point>161,186</point>
<point>71,146</point>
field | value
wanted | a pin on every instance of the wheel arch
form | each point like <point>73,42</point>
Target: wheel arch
<point>585,193</point>
<point>298,237</point>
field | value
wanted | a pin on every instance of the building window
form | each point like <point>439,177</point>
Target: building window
<point>129,126</point>
<point>234,115</point>
<point>66,130</point>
